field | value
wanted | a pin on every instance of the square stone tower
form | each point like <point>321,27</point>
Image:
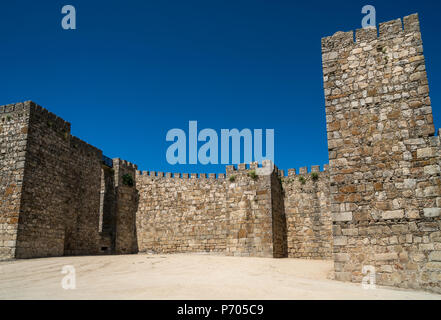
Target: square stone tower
<point>50,185</point>
<point>384,157</point>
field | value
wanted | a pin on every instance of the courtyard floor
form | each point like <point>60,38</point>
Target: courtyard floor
<point>183,276</point>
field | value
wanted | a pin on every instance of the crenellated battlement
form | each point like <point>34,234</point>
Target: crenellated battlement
<point>170,175</point>
<point>305,171</point>
<point>387,30</point>
<point>124,164</point>
<point>51,119</point>
<point>20,107</point>
<point>84,148</point>
<point>230,170</point>
<point>242,168</point>
<point>384,159</point>
<point>13,113</point>
<point>37,112</point>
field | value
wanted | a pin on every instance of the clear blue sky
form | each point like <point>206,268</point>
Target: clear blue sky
<point>135,69</point>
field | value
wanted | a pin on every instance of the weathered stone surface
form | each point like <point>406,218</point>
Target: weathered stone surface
<point>341,216</point>
<point>381,143</point>
<point>435,256</point>
<point>13,140</point>
<point>58,178</point>
<point>340,241</point>
<point>240,216</point>
<point>396,214</point>
<point>432,212</point>
<point>378,202</point>
<point>308,214</point>
<point>341,257</point>
<point>386,256</point>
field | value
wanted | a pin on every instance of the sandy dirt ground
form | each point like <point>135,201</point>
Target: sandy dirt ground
<point>184,276</point>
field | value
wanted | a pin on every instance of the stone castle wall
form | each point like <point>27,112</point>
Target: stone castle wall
<point>59,178</point>
<point>384,158</point>
<point>179,214</point>
<point>378,203</point>
<point>127,201</point>
<point>14,121</point>
<point>83,170</point>
<point>231,214</point>
<point>280,229</point>
<point>107,219</point>
<point>58,198</point>
<point>308,213</point>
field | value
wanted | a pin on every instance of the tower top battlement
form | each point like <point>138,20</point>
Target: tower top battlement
<point>387,30</point>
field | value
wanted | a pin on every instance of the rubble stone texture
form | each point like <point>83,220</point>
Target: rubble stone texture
<point>308,215</point>
<point>384,157</point>
<point>378,203</point>
<point>234,214</point>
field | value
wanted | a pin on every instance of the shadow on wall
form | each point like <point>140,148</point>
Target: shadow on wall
<point>119,204</point>
<point>280,235</point>
<point>127,200</point>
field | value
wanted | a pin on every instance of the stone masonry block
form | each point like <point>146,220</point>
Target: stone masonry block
<point>342,216</point>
